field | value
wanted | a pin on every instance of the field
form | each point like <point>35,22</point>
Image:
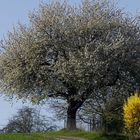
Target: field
<point>58,134</point>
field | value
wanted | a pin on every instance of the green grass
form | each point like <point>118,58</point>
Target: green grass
<point>54,135</point>
<point>82,134</point>
<point>18,137</point>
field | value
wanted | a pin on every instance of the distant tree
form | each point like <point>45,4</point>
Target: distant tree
<point>105,109</point>
<point>28,120</point>
<point>70,52</point>
<point>132,115</point>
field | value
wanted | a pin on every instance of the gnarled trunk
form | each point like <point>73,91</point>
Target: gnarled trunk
<point>73,106</point>
<point>71,119</point>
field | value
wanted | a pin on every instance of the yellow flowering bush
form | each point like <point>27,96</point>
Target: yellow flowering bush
<point>132,115</point>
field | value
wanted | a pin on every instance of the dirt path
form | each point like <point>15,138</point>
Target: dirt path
<point>69,138</point>
<point>57,137</point>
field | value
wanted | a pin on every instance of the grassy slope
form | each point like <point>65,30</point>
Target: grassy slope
<point>53,135</point>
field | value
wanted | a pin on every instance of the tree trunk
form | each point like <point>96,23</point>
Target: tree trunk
<point>71,119</point>
<point>73,106</point>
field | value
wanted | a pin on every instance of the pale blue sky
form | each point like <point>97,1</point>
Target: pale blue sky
<point>12,11</point>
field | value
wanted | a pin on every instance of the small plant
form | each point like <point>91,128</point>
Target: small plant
<point>132,115</point>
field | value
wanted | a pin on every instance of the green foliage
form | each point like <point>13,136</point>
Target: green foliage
<point>112,116</point>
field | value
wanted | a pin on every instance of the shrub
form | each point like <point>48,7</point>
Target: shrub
<point>132,115</point>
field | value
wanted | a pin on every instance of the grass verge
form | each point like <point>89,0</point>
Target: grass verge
<point>83,134</point>
<point>55,135</point>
